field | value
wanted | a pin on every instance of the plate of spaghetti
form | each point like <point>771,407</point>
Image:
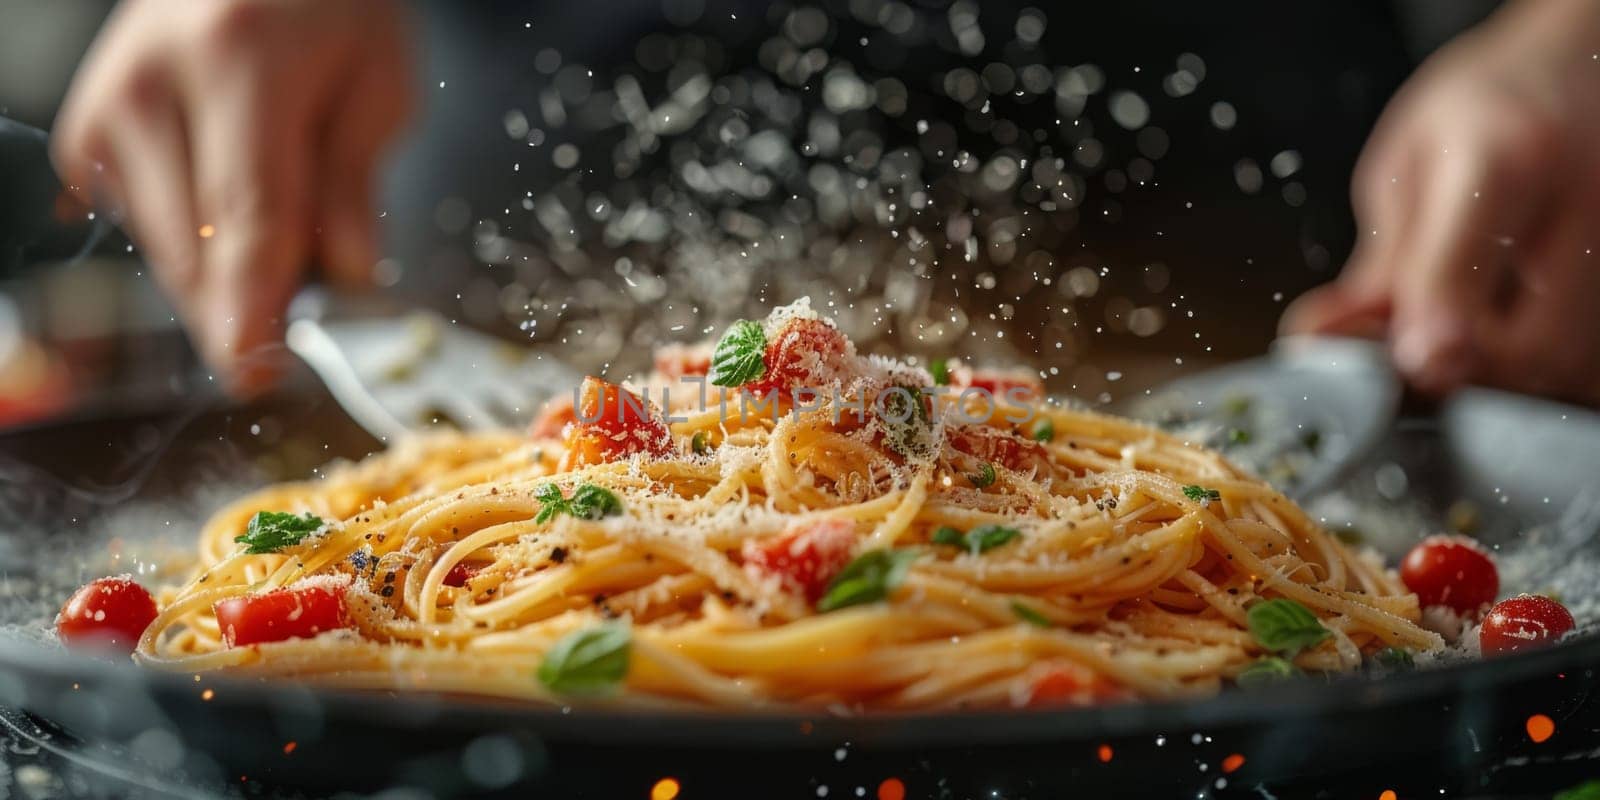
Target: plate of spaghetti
<point>776,522</point>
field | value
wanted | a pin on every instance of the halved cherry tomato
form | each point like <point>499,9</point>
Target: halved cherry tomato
<point>459,575</point>
<point>804,353</point>
<point>107,614</point>
<point>289,613</point>
<point>804,558</point>
<point>1066,683</point>
<point>1000,447</point>
<point>1522,622</point>
<point>612,424</point>
<point>554,419</point>
<point>1451,571</point>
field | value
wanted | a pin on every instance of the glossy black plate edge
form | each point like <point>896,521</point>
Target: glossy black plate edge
<point>38,678</point>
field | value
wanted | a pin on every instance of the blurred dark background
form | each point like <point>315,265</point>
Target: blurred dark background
<point>1109,187</point>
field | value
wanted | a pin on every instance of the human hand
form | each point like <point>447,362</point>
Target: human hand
<point>1477,202</point>
<point>237,139</point>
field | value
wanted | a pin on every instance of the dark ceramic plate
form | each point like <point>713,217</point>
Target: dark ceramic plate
<point>1461,728</point>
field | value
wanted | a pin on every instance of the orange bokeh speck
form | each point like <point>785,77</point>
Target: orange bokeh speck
<point>892,789</point>
<point>664,789</point>
<point>1540,728</point>
<point>1105,754</point>
<point>1388,794</point>
<point>1232,763</point>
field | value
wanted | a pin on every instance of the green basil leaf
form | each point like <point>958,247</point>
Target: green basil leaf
<point>1238,436</point>
<point>1044,431</point>
<point>1201,494</point>
<point>1285,626</point>
<point>272,531</point>
<point>939,368</point>
<point>1395,659</point>
<point>594,502</point>
<point>551,502</point>
<point>1030,616</point>
<point>984,477</point>
<point>950,536</point>
<point>700,443</point>
<point>588,501</point>
<point>871,577</point>
<point>736,360</point>
<point>1266,671</point>
<point>984,538</point>
<point>588,662</point>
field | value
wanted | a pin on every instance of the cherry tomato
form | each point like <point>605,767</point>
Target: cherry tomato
<point>555,417</point>
<point>459,575</point>
<point>107,614</point>
<point>1000,447</point>
<point>806,558</point>
<point>1064,683</point>
<point>291,613</point>
<point>1451,571</point>
<point>612,424</point>
<point>803,353</point>
<point>1523,622</point>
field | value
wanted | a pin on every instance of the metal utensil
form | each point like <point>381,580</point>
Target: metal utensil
<point>397,371</point>
<point>1299,416</point>
<point>1308,410</point>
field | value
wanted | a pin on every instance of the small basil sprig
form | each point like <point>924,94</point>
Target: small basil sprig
<point>588,662</point>
<point>1201,494</point>
<point>1395,659</point>
<point>587,502</point>
<point>979,540</point>
<point>984,477</point>
<point>700,443</point>
<point>871,577</point>
<point>1285,626</point>
<point>271,531</point>
<point>939,368</point>
<point>736,360</point>
<point>1266,670</point>
<point>1045,430</point>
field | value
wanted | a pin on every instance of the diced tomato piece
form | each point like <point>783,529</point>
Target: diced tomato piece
<point>679,360</point>
<point>1009,387</point>
<point>1451,571</point>
<point>289,613</point>
<point>805,558</point>
<point>459,575</point>
<point>612,424</point>
<point>1523,622</point>
<point>804,353</point>
<point>1000,447</point>
<point>554,419</point>
<point>107,614</point>
<point>1067,683</point>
